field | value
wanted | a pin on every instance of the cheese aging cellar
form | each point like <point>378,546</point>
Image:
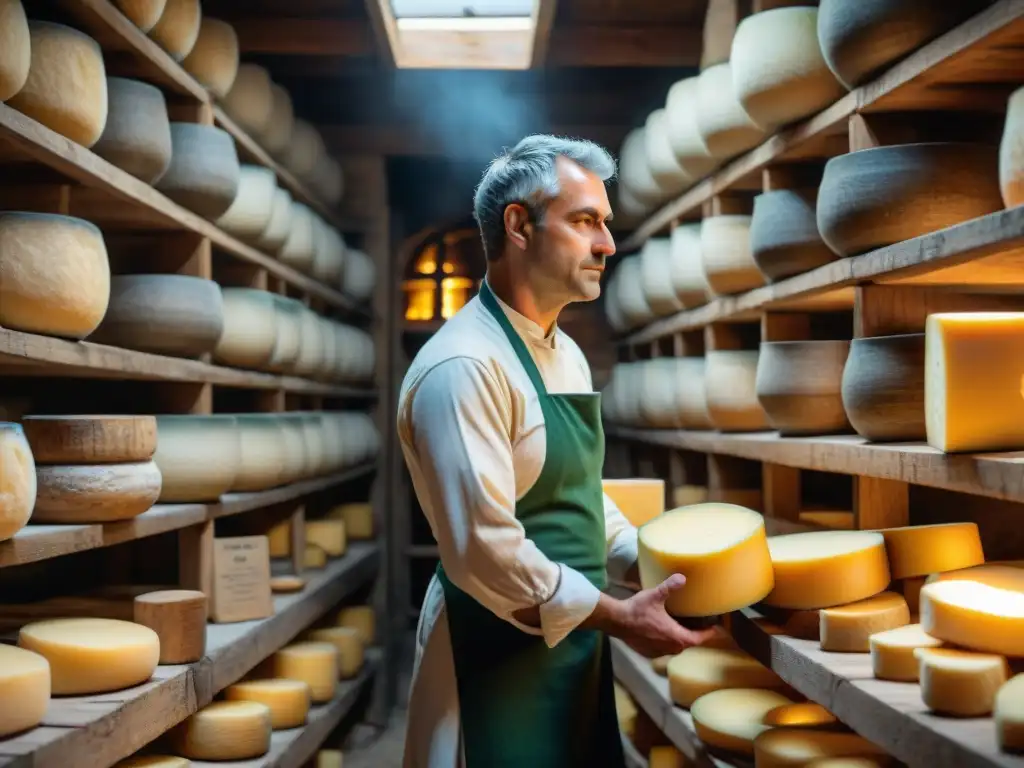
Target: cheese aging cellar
<point>512,383</point>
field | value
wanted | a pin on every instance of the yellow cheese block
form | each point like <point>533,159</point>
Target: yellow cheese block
<point>846,628</point>
<point>1009,715</point>
<point>842,521</point>
<point>18,486</point>
<point>961,683</point>
<point>287,700</point>
<point>918,550</point>
<point>328,758</point>
<point>314,557</point>
<point>24,689</point>
<point>981,608</point>
<point>720,548</point>
<point>972,391</point>
<point>892,652</point>
<point>279,539</point>
<point>315,663</point>
<point>666,757</point>
<point>349,645</point>
<point>805,714</point>
<point>362,618</point>
<point>93,655</point>
<point>224,730</point>
<point>800,747</point>
<point>625,710</point>
<point>731,719</point>
<point>329,535</point>
<point>358,519</point>
<point>640,499</point>
<point>822,569</point>
<point>698,671</point>
<point>154,761</point>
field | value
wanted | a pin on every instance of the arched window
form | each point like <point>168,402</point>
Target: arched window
<point>442,275</point>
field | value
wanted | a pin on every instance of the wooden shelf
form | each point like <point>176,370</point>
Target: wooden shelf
<point>650,690</point>
<point>994,475</point>
<point>97,731</point>
<point>943,74</point>
<point>889,714</point>
<point>43,542</point>
<point>292,748</point>
<point>633,757</point>
<point>31,355</point>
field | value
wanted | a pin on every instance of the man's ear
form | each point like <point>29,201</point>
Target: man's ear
<point>518,228</point>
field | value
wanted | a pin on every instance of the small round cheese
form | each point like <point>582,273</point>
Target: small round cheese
<point>960,683</point>
<point>288,700</point>
<point>892,652</point>
<point>349,645</point>
<point>251,211</point>
<point>137,136</point>
<point>144,14</point>
<point>805,714</point>
<point>698,671</point>
<point>847,628</point>
<point>981,608</point>
<point>24,689</point>
<point>275,234</point>
<point>731,719</point>
<point>1009,715</point>
<point>918,550</point>
<point>90,656</point>
<point>18,485</point>
<point>178,28</point>
<point>225,730</point>
<point>298,251</point>
<point>250,102</point>
<point>15,48</point>
<point>315,663</point>
<point>104,493</point>
<point>799,747</point>
<point>213,60</point>
<point>286,584</point>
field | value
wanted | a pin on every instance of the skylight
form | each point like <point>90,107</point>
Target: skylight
<point>461,8</point>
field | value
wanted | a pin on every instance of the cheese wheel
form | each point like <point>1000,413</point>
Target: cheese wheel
<point>288,342</point>
<point>725,127</point>
<point>892,652</point>
<point>56,274</point>
<point>280,539</point>
<point>358,518</point>
<point>661,160</point>
<point>154,761</point>
<point>287,584</point>
<point>274,235</point>
<point>640,499</point>
<point>728,260</point>
<point>251,211</point>
<point>213,60</point>
<point>224,730</point>
<point>298,251</point>
<point>287,700</point>
<point>314,663</point>
<point>305,149</point>
<point>328,758</point>
<point>690,151</point>
<point>90,656</point>
<point>635,173</point>
<point>1009,715</point>
<point>1011,150</point>
<point>144,14</point>
<point>104,493</point>
<point>730,388</point>
<point>919,550</point>
<point>90,439</point>
<point>66,89</point>
<point>24,689</point>
<point>847,628</point>
<point>360,617</point>
<point>18,485</point>
<point>731,719</point>
<point>249,332</point>
<point>349,645</point>
<point>805,714</point>
<point>329,535</point>
<point>178,28</point>
<point>360,276</point>
<point>687,268</point>
<point>15,48</point>
<point>198,457</point>
<point>295,448</point>
<point>720,548</point>
<point>699,670</point>
<point>204,172</point>
<point>666,757</point>
<point>981,608</point>
<point>960,683</point>
<point>278,131</point>
<point>250,102</point>
<point>972,391</point>
<point>823,569</point>
<point>137,134</point>
<point>800,747</point>
<point>261,458</point>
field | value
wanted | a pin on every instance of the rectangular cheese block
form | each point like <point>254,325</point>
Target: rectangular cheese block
<point>280,539</point>
<point>329,535</point>
<point>640,499</point>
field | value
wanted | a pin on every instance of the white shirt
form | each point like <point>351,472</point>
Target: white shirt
<point>472,432</point>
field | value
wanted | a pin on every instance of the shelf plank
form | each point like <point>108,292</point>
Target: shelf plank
<point>104,734</point>
<point>35,355</point>
<point>44,542</point>
<point>994,475</point>
<point>889,714</point>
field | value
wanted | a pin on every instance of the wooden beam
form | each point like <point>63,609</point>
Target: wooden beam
<point>304,37</point>
<point>543,21</point>
<point>625,46</point>
<point>384,29</point>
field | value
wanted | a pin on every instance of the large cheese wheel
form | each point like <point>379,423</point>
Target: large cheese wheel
<point>178,28</point>
<point>728,260</point>
<point>198,457</point>
<point>278,132</point>
<point>56,277</point>
<point>731,719</point>
<point>730,379</point>
<point>66,89</point>
<point>1011,151</point>
<point>288,700</point>
<point>699,670</point>
<point>250,102</point>
<point>661,160</point>
<point>225,730</point>
<point>349,645</point>
<point>981,608</point>
<point>96,494</point>
<point>654,262</point>
<point>720,548</point>
<point>725,127</point>
<point>784,238</point>
<point>640,499</point>
<point>848,628</point>
<point>918,550</point>
<point>314,663</point>
<point>24,689</point>
<point>686,270</point>
<point>90,656</point>
<point>279,225</point>
<point>972,390</point>
<point>892,652</point>
<point>204,172</point>
<point>137,136</point>
<point>631,298</point>
<point>262,459</point>
<point>635,173</point>
<point>360,617</point>
<point>299,252</point>
<point>799,385</point>
<point>18,487</point>
<point>144,14</point>
<point>305,149</point>
<point>688,146</point>
<point>823,569</point>
<point>360,275</point>
<point>960,683</point>
<point>251,211</point>
<point>295,448</point>
<point>250,328</point>
<point>1009,714</point>
<point>801,747</point>
<point>213,60</point>
<point>329,253</point>
<point>15,48</point>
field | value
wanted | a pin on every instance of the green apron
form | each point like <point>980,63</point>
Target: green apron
<point>522,704</point>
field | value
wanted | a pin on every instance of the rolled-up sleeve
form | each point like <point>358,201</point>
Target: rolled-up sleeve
<point>455,430</point>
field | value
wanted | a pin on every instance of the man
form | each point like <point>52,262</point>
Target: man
<point>502,435</point>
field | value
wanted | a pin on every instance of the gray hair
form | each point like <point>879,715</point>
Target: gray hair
<point>526,174</point>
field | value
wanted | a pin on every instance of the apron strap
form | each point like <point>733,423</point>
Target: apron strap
<point>525,358</point>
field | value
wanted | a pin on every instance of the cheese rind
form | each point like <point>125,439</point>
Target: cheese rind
<point>96,494</point>
<point>640,499</point>
<point>848,628</point>
<point>18,485</point>
<point>349,645</point>
<point>315,663</point>
<point>178,27</point>
<point>698,671</point>
<point>981,608</point>
<point>731,719</point>
<point>90,439</point>
<point>24,689</point>
<point>288,700</point>
<point>960,683</point>
<point>225,730</point>
<point>720,548</point>
<point>799,747</point>
<point>213,60</point>
<point>892,652</point>
<point>918,550</point>
<point>15,45</point>
<point>1009,714</point>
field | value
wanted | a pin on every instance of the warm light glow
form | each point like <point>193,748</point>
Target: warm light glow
<point>454,295</point>
<point>420,298</point>
<point>426,262</point>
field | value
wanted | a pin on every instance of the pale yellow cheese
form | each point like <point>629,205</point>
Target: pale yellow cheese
<point>800,747</point>
<point>15,48</point>
<point>24,689</point>
<point>358,519</point>
<point>961,683</point>
<point>349,645</point>
<point>279,539</point>
<point>842,521</point>
<point>18,485</point>
<point>253,207</point>
<point>288,700</point>
<point>360,617</point>
<point>660,664</point>
<point>981,608</point>
<point>213,60</point>
<point>314,557</point>
<point>286,584</point>
<point>731,719</point>
<point>892,652</point>
<point>144,14</point>
<point>720,548</point>
<point>315,663</point>
<point>89,656</point>
<point>918,550</point>
<point>640,499</point>
<point>154,761</point>
<point>224,730</point>
<point>625,710</point>
<point>178,28</point>
<point>698,670</point>
<point>822,569</point>
<point>847,628</point>
<point>328,758</point>
<point>972,392</point>
<point>1009,715</point>
<point>666,757</point>
<point>804,714</point>
<point>329,535</point>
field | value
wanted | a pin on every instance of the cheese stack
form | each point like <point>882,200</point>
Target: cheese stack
<point>314,663</point>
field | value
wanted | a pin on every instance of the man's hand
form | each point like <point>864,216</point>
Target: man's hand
<point>644,624</point>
